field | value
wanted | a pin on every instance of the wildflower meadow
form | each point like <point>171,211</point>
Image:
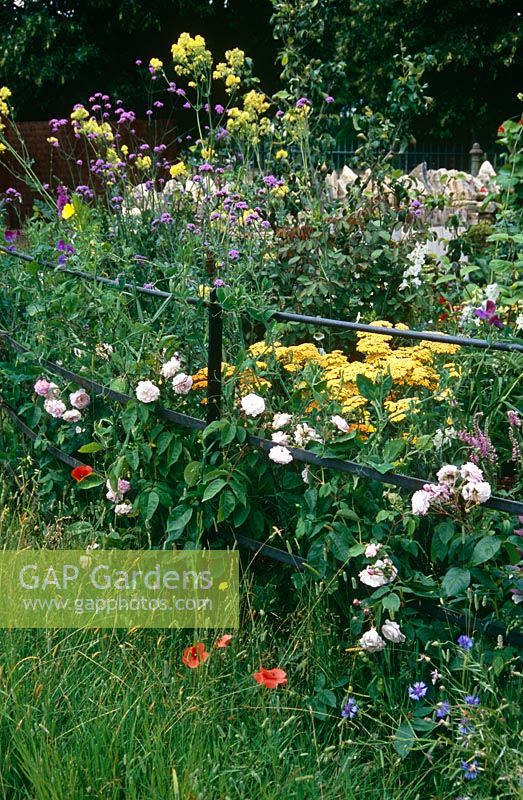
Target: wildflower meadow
<point>209,340</point>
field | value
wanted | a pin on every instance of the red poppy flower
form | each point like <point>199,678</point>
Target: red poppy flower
<point>223,641</point>
<point>270,678</point>
<point>195,656</point>
<point>501,130</point>
<point>79,473</point>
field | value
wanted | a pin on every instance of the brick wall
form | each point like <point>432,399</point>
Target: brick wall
<point>49,164</point>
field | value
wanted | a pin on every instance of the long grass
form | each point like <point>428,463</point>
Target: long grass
<point>115,714</point>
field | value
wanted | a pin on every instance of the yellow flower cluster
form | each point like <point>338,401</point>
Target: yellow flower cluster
<point>230,69</point>
<point>247,378</point>
<point>143,163</point>
<point>89,126</point>
<point>156,63</point>
<point>178,170</point>
<point>5,94</point>
<point>191,56</point>
<point>249,122</point>
<point>408,366</point>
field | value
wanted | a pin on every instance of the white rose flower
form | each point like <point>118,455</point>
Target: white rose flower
<point>72,416</point>
<point>476,492</point>
<point>280,421</point>
<point>147,392</point>
<point>371,551</point>
<point>253,405</point>
<point>421,502</point>
<point>341,423</point>
<point>182,383</point>
<point>391,631</point>
<point>171,367</point>
<point>372,641</point>
<point>280,455</point>
<point>54,407</point>
<point>447,474</point>
<point>123,508</point>
<point>79,399</point>
<point>305,476</point>
<point>471,472</point>
<point>305,433</point>
<point>280,437</point>
<point>378,574</point>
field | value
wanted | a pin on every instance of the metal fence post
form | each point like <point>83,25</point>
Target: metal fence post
<point>475,154</point>
<point>214,359</point>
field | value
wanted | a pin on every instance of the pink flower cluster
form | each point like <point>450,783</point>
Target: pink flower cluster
<point>55,406</point>
<point>466,483</point>
<point>116,496</point>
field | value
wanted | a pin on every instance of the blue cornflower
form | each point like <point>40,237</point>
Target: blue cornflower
<point>443,709</point>
<point>465,727</point>
<point>350,709</point>
<point>472,700</point>
<point>470,769</point>
<point>465,642</point>
<point>417,690</point>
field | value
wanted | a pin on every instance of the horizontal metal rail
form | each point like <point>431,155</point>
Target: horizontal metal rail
<point>304,456</point>
<point>491,628</point>
<point>288,316</point>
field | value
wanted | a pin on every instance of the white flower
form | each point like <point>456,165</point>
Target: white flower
<point>305,476</point>
<point>447,474</point>
<point>519,322</point>
<point>280,455</point>
<point>476,492</point>
<point>378,574</point>
<point>280,437</point>
<point>253,405</point>
<point>79,429</point>
<point>421,502</point>
<point>305,433</point>
<point>171,367</point>
<point>72,416</point>
<point>492,292</point>
<point>53,391</point>
<point>147,392</point>
<point>391,631</point>
<point>341,424</point>
<point>470,472</point>
<point>280,421</point>
<point>372,641</point>
<point>182,383</point>
<point>79,399</point>
<point>123,508</point>
<point>54,407</point>
<point>104,350</point>
<point>371,551</point>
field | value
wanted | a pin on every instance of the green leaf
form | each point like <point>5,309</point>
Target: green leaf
<point>152,504</point>
<point>177,520</point>
<point>391,602</point>
<point>92,447</point>
<point>226,506</point>
<point>366,387</point>
<point>213,488</point>
<point>404,739</point>
<point>91,481</point>
<point>191,473</point>
<point>129,417</point>
<point>484,550</point>
<point>440,541</point>
<point>456,581</point>
<point>163,442</point>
